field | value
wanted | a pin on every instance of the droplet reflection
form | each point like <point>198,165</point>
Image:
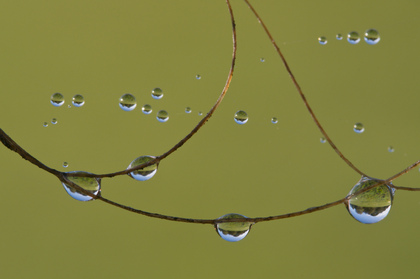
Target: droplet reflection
<point>372,36</point>
<point>145,173</point>
<point>353,38</point>
<point>128,102</point>
<point>188,110</point>
<point>146,109</point>
<point>90,184</point>
<point>162,116</point>
<point>54,121</point>
<point>241,117</point>
<point>274,120</point>
<point>78,100</point>
<point>339,37</point>
<point>322,40</point>
<point>233,231</point>
<point>358,128</point>
<point>157,93</point>
<point>57,99</point>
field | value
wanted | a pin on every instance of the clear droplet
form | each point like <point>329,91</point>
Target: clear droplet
<point>198,77</point>
<point>241,117</point>
<point>45,124</point>
<point>90,184</point>
<point>162,116</point>
<point>157,93</point>
<point>358,128</point>
<point>322,40</point>
<point>145,173</point>
<point>390,149</point>
<point>146,109</point>
<point>128,102</point>
<point>54,121</point>
<point>233,231</point>
<point>188,110</point>
<point>78,100</point>
<point>262,59</point>
<point>200,113</point>
<point>373,205</point>
<point>339,37</point>
<point>65,164</point>
<point>274,120</point>
<point>372,36</point>
<point>322,140</point>
<point>57,99</point>
<point>353,37</point>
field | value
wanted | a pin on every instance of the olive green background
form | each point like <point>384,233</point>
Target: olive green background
<point>103,49</point>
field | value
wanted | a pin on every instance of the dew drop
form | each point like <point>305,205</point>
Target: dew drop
<point>69,106</point>
<point>146,109</point>
<point>358,128</point>
<point>241,117</point>
<point>373,205</point>
<point>54,121</point>
<point>262,59</point>
<point>45,124</point>
<point>322,40</point>
<point>162,116</point>
<point>57,99</point>
<point>90,184</point>
<point>322,140</point>
<point>200,113</point>
<point>145,173</point>
<point>233,231</point>
<point>198,77</point>
<point>188,110</point>
<point>390,149</point>
<point>128,102</point>
<point>65,164</point>
<point>353,37</point>
<point>339,37</point>
<point>274,120</point>
<point>372,36</point>
<point>157,93</point>
<point>78,100</point>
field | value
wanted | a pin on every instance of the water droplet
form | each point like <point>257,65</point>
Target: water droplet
<point>390,149</point>
<point>57,99</point>
<point>145,173</point>
<point>128,102</point>
<point>241,117</point>
<point>188,110</point>
<point>262,59</point>
<point>339,37</point>
<point>373,205</point>
<point>54,121</point>
<point>274,120</point>
<point>162,116</point>
<point>78,100</point>
<point>322,40</point>
<point>157,93</point>
<point>45,124</point>
<point>198,77</point>
<point>69,106</point>
<point>233,231</point>
<point>200,113</point>
<point>358,128</point>
<point>65,164</point>
<point>90,184</point>
<point>323,140</point>
<point>353,38</point>
<point>146,109</point>
<point>372,36</point>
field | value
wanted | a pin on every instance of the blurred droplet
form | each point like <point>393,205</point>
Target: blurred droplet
<point>45,124</point>
<point>90,184</point>
<point>358,128</point>
<point>353,38</point>
<point>157,93</point>
<point>241,117</point>
<point>65,164</point>
<point>322,140</point>
<point>262,59</point>
<point>54,121</point>
<point>198,77</point>
<point>233,231</point>
<point>162,116</point>
<point>146,109</point>
<point>390,149</point>
<point>128,102</point>
<point>322,40</point>
<point>274,120</point>
<point>78,100</point>
<point>339,37</point>
<point>188,110</point>
<point>372,36</point>
<point>57,99</point>
<point>145,173</point>
<point>200,113</point>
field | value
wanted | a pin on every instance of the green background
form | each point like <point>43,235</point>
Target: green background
<point>103,49</point>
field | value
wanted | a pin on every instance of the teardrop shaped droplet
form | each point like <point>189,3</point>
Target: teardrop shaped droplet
<point>188,110</point>
<point>372,36</point>
<point>146,109</point>
<point>241,117</point>
<point>339,37</point>
<point>157,93</point>
<point>145,173</point>
<point>323,40</point>
<point>128,102</point>
<point>90,184</point>
<point>274,120</point>
<point>162,116</point>
<point>57,99</point>
<point>373,205</point>
<point>358,128</point>
<point>78,100</point>
<point>233,231</point>
<point>198,77</point>
<point>353,37</point>
<point>54,121</point>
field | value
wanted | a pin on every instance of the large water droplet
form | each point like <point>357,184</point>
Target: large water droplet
<point>57,99</point>
<point>353,37</point>
<point>162,116</point>
<point>157,93</point>
<point>274,120</point>
<point>128,102</point>
<point>241,117</point>
<point>145,173</point>
<point>233,231</point>
<point>146,109</point>
<point>373,205</point>
<point>90,184</point>
<point>322,40</point>
<point>372,36</point>
<point>188,110</point>
<point>358,128</point>
<point>339,37</point>
<point>54,121</point>
<point>78,100</point>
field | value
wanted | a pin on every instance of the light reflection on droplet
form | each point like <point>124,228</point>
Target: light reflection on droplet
<point>157,93</point>
<point>162,116</point>
<point>57,99</point>
<point>145,173</point>
<point>200,113</point>
<point>353,38</point>
<point>188,110</point>
<point>65,164</point>
<point>390,149</point>
<point>233,231</point>
<point>323,40</point>
<point>45,124</point>
<point>146,109</point>
<point>90,184</point>
<point>339,37</point>
<point>54,121</point>
<point>78,100</point>
<point>274,120</point>
<point>358,128</point>
<point>128,102</point>
<point>262,59</point>
<point>372,36</point>
<point>241,117</point>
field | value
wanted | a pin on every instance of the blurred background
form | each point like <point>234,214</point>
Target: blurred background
<point>104,49</point>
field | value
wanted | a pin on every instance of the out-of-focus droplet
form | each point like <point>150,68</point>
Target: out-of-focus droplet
<point>339,37</point>
<point>65,164</point>
<point>198,77</point>
<point>322,140</point>
<point>45,124</point>
<point>188,110</point>
<point>54,121</point>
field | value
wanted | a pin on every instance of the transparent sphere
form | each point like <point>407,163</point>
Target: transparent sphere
<point>54,121</point>
<point>57,99</point>
<point>128,102</point>
<point>162,116</point>
<point>198,77</point>
<point>372,36</point>
<point>78,100</point>
<point>241,117</point>
<point>145,173</point>
<point>323,40</point>
<point>157,93</point>
<point>353,37</point>
<point>188,110</point>
<point>233,231</point>
<point>146,109</point>
<point>358,128</point>
<point>339,37</point>
<point>274,120</point>
<point>90,184</point>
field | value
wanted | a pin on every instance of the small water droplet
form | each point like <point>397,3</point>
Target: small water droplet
<point>128,102</point>
<point>145,173</point>
<point>90,184</point>
<point>241,117</point>
<point>45,124</point>
<point>69,106</point>
<point>322,140</point>
<point>323,40</point>
<point>198,77</point>
<point>390,149</point>
<point>274,120</point>
<point>54,121</point>
<point>200,113</point>
<point>353,37</point>
<point>146,109</point>
<point>372,36</point>
<point>188,110</point>
<point>339,37</point>
<point>65,164</point>
<point>78,100</point>
<point>262,59</point>
<point>162,116</point>
<point>373,205</point>
<point>233,231</point>
<point>358,128</point>
<point>57,99</point>
<point>157,93</point>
